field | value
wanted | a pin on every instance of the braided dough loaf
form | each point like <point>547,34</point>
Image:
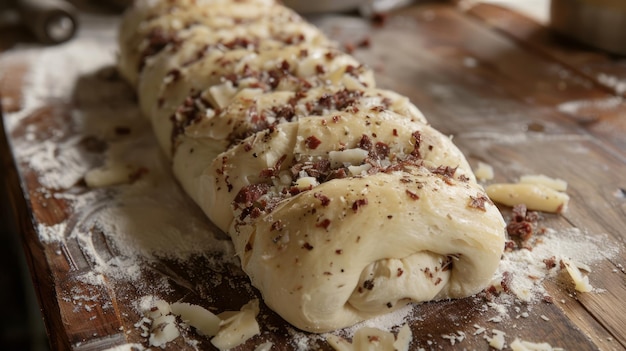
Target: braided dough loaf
<point>341,201</point>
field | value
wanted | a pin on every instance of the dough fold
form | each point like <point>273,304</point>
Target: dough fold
<point>342,202</point>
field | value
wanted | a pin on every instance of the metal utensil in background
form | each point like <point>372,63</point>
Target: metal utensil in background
<point>50,21</point>
<point>598,23</point>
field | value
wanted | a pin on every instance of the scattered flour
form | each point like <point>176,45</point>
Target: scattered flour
<point>619,85</point>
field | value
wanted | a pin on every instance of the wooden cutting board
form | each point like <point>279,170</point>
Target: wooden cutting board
<point>511,93</point>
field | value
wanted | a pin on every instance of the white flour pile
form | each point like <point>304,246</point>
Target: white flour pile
<point>123,228</point>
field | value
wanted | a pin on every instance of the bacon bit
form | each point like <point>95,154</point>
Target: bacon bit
<point>237,42</point>
<point>550,262</point>
<point>510,246</point>
<point>438,281</point>
<point>250,193</point>
<point>319,69</point>
<point>381,150</point>
<point>327,273</point>
<point>395,132</point>
<point>447,265</point>
<point>522,224</point>
<point>247,147</point>
<point>330,55</point>
<point>365,143</point>
<point>400,272</point>
<point>175,74</point>
<point>158,39</point>
<point>312,142</point>
<point>506,281</point>
<point>548,299</point>
<point>463,178</point>
<point>273,171</point>
<point>325,200</point>
<point>323,224</point>
<point>445,171</point>
<point>336,118</point>
<point>478,202</point>
<point>286,111</point>
<point>417,136</point>
<point>339,251</point>
<point>307,246</point>
<point>412,195</point>
<point>358,203</point>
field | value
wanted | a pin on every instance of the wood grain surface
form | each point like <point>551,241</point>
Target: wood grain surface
<point>510,92</point>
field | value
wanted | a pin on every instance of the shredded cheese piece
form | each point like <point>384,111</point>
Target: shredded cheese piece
<point>484,171</point>
<point>497,340</point>
<point>367,338</point>
<point>554,183</point>
<point>581,282</point>
<point>521,345</point>
<point>237,327</point>
<point>535,196</point>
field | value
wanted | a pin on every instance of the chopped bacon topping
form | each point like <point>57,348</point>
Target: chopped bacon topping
<point>358,204</point>
<point>325,200</point>
<point>445,171</point>
<point>250,193</point>
<point>412,195</point>
<point>417,136</point>
<point>323,224</point>
<point>312,142</point>
<point>478,202</point>
<point>523,224</point>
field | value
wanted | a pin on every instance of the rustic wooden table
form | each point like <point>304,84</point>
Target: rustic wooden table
<point>513,95</point>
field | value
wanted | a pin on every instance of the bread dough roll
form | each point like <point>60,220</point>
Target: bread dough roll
<point>341,201</point>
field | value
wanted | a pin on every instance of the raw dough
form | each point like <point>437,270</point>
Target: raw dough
<point>341,201</point>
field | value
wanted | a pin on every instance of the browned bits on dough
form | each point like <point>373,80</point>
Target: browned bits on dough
<point>307,246</point>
